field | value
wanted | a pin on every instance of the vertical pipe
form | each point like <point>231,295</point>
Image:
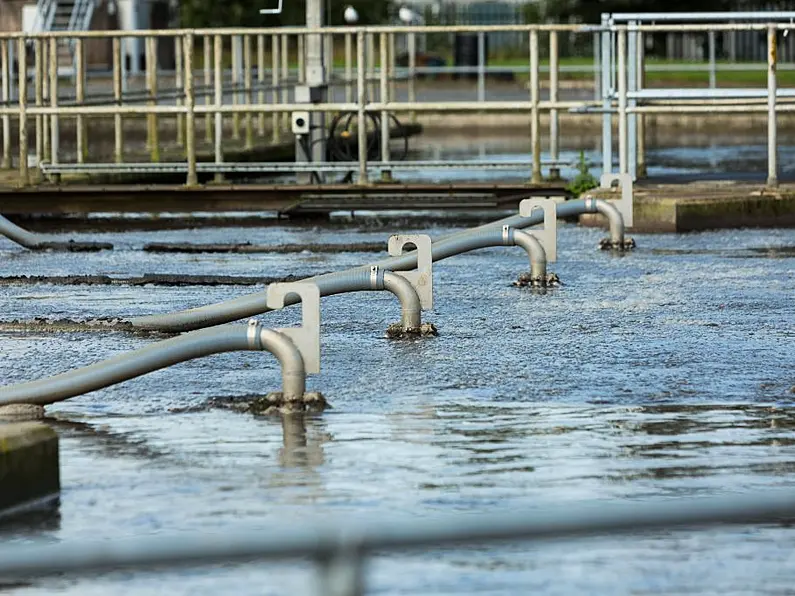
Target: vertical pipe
<point>80,93</point>
<point>535,133</point>
<point>247,68</point>
<point>622,101</point>
<point>554,133</point>
<point>190,105</point>
<point>412,49</point>
<point>261,83</point>
<point>208,82</point>
<point>219,100</point>
<point>481,66</point>
<point>6,97</point>
<point>38,95</point>
<point>285,77</point>
<point>235,39</point>
<point>54,119</point>
<point>117,122</point>
<point>179,43</point>
<point>772,158</point>
<point>275,117</point>
<point>22,86</point>
<point>361,91</point>
<point>641,144</point>
<point>151,65</point>
<point>712,65</point>
<point>607,103</point>
<point>348,68</point>
<point>383,59</point>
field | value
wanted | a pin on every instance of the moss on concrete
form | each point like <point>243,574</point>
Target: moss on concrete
<point>29,470</point>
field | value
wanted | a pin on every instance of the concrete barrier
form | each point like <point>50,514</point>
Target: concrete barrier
<point>29,470</point>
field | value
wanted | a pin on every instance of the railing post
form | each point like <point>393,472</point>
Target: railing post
<point>80,93</point>
<point>151,71</point>
<point>641,79</point>
<point>712,66</point>
<point>412,50</point>
<point>392,65</point>
<point>261,83</point>
<point>607,103</point>
<point>235,85</point>
<point>179,42</point>
<point>383,59</point>
<point>219,100</point>
<point>208,83</point>
<point>631,62</point>
<point>301,56</point>
<point>190,116</point>
<point>54,119</point>
<point>535,133</point>
<point>622,101</point>
<point>361,91</point>
<point>554,133</point>
<point>118,144</point>
<point>45,89</point>
<point>481,66</point>
<point>371,65</point>
<point>772,142</point>
<point>285,55</point>
<point>38,95</point>
<point>6,97</point>
<point>247,67</point>
<point>22,86</point>
<point>348,68</point>
<point>275,116</point>
<point>597,67</point>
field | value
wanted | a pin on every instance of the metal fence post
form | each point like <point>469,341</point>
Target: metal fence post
<point>179,43</point>
<point>208,81</point>
<point>80,93</point>
<point>597,67</point>
<point>38,95</point>
<point>118,145</point>
<point>554,133</point>
<point>219,100</point>
<point>607,102</point>
<point>384,75</point>
<point>22,86</point>
<point>361,92</point>
<point>622,101</point>
<point>151,69</point>
<point>412,50</point>
<point>190,116</point>
<point>772,158</point>
<point>285,55</point>
<point>45,90</point>
<point>261,83</point>
<point>275,118</point>
<point>481,66</point>
<point>348,68</point>
<point>6,97</point>
<point>54,119</point>
<point>247,67</point>
<point>631,65</point>
<point>712,64</point>
<point>235,86</point>
<point>535,133</point>
<point>641,80</point>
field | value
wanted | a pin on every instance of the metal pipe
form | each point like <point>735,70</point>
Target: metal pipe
<point>118,131</point>
<point>410,308</point>
<point>622,102</point>
<point>42,242</point>
<point>227,338</point>
<point>613,215</point>
<point>772,141</point>
<point>178,84</point>
<point>190,117</point>
<point>535,124</point>
<point>80,96</point>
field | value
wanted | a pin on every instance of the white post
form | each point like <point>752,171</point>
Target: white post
<point>772,161</point>
<point>622,101</point>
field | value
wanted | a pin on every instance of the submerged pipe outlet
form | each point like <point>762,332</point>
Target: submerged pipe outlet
<point>617,240</point>
<point>215,340</point>
<point>41,242</point>
<point>254,304</point>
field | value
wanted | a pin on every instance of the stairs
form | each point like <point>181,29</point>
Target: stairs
<point>64,15</point>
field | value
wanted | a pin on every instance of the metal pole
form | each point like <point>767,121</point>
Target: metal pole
<point>481,66</point>
<point>261,82</point>
<point>117,122</point>
<point>631,62</point>
<point>22,86</point>
<point>190,119</point>
<point>412,49</point>
<point>208,81</point>
<point>301,54</point>
<point>392,65</point>
<point>235,85</point>
<point>45,90</point>
<point>597,88</point>
<point>151,66</point>
<point>247,67</point>
<point>622,101</point>
<point>316,79</point>
<point>371,64</point>
<point>348,68</point>
<point>554,133</point>
<point>219,100</point>
<point>54,120</point>
<point>535,124</point>
<point>275,117</point>
<point>607,118</point>
<point>383,49</point>
<point>285,55</point>
<point>641,78</point>
<point>6,97</point>
<point>80,93</point>
<point>361,89</point>
<point>38,94</point>
<point>712,65</point>
<point>772,158</point>
<point>179,42</point>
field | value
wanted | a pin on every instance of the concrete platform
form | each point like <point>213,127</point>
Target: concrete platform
<point>29,469</point>
<point>706,205</point>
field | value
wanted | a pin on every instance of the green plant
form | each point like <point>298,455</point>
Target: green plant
<point>584,180</point>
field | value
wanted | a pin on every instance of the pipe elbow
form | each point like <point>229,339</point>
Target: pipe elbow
<point>290,359</point>
<point>614,218</point>
<point>535,252</point>
<point>410,307</point>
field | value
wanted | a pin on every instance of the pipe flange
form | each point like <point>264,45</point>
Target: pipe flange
<point>608,244</point>
<point>527,280</point>
<point>275,404</point>
<point>397,331</point>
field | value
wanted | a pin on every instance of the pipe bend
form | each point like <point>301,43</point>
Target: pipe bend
<point>613,215</point>
<point>19,235</point>
<point>535,252</point>
<point>410,307</point>
<point>290,359</point>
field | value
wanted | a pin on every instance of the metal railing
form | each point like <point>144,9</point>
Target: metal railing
<point>340,551</point>
<point>259,109</point>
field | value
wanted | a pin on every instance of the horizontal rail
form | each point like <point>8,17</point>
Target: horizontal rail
<point>702,16</point>
<point>356,538</point>
<point>718,93</point>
